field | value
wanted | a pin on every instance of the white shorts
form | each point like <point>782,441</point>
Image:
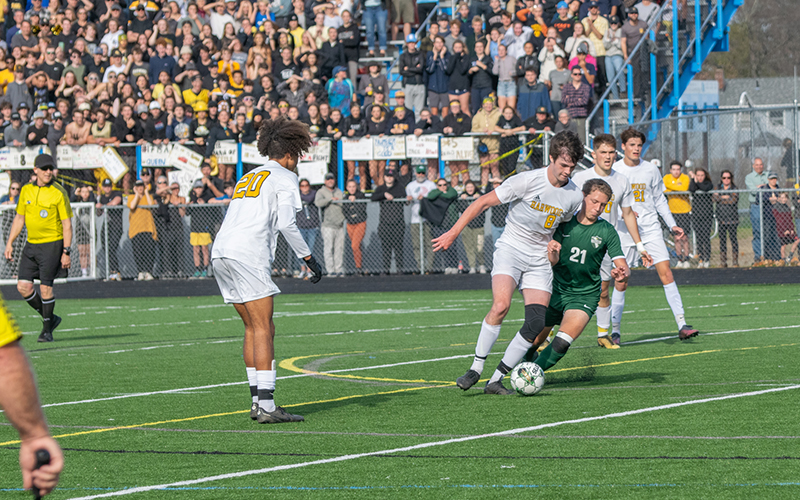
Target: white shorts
<point>528,271</point>
<point>240,283</point>
<point>606,267</point>
<point>653,243</point>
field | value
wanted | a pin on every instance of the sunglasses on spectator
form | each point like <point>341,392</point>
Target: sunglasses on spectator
<point>726,176</point>
<point>48,167</point>
<point>442,184</point>
<point>161,182</point>
<point>51,52</point>
<point>14,188</point>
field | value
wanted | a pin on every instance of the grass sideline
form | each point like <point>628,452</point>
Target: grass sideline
<point>395,358</point>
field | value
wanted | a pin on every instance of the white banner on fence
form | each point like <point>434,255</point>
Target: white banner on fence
<point>21,158</point>
<point>313,171</point>
<point>320,151</point>
<point>389,147</point>
<point>457,148</point>
<point>226,152</point>
<point>64,157</point>
<point>424,146</point>
<point>182,157</point>
<point>156,155</point>
<point>251,156</point>
<point>86,157</point>
<point>185,177</point>
<point>113,164</point>
<point>357,150</point>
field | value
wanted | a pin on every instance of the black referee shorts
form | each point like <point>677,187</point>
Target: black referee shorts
<point>42,261</point>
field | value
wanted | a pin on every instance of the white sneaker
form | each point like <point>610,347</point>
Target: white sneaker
<point>706,264</point>
<point>300,275</point>
<point>84,272</point>
<point>148,277</point>
<point>140,277</point>
<point>472,270</point>
<point>482,269</point>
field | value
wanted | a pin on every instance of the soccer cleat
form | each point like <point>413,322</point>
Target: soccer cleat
<point>276,417</point>
<point>686,332</point>
<point>615,338</point>
<point>56,322</point>
<point>497,388</point>
<point>253,411</point>
<point>607,343</point>
<point>467,380</point>
<point>543,346</point>
<point>45,337</point>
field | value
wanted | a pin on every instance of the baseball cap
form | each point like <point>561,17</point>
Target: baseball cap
<point>38,114</point>
<point>412,38</point>
<point>583,48</point>
<point>142,108</point>
<point>339,69</point>
<point>43,161</point>
<point>85,107</point>
<point>420,169</point>
<point>15,116</point>
<point>379,89</point>
<point>329,176</point>
<point>146,171</point>
<point>633,10</point>
<point>140,6</point>
<point>23,105</point>
<point>116,53</point>
<point>138,182</point>
<point>443,17</point>
<point>51,105</point>
<point>613,20</point>
<point>772,175</point>
<point>293,17</point>
<point>57,116</point>
<point>388,171</point>
<point>186,50</point>
<point>197,184</point>
<point>541,109</point>
<point>116,7</point>
<point>593,4</point>
<point>155,105</point>
<point>98,51</point>
<point>562,5</point>
<point>399,93</point>
<point>107,182</point>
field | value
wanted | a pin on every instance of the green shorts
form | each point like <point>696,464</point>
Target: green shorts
<point>561,302</point>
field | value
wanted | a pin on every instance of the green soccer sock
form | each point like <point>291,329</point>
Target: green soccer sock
<point>554,352</point>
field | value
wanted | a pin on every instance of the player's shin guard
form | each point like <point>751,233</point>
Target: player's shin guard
<point>514,352</point>
<point>252,380</point>
<point>603,320</point>
<point>617,306</point>
<point>35,301</point>
<point>486,340</point>
<point>47,312</point>
<point>675,303</point>
<point>555,351</point>
<point>266,388</point>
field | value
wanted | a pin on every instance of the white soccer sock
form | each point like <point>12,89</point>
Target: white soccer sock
<point>266,388</point>
<point>566,338</point>
<point>675,303</point>
<point>486,340</point>
<point>617,306</point>
<point>603,320</point>
<point>252,381</point>
<point>516,349</point>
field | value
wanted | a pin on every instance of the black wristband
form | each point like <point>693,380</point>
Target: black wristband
<point>67,251</point>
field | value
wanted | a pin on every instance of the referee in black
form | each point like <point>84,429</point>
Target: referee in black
<point>43,208</point>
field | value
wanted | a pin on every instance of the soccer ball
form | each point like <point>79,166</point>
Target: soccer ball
<point>527,378</point>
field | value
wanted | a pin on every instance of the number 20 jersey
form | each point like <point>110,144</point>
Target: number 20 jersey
<point>537,208</point>
<point>250,229</point>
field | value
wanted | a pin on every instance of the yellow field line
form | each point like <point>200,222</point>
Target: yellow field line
<point>289,364</point>
<point>160,422</point>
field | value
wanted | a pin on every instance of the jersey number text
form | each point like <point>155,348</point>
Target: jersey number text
<point>250,185</point>
<point>549,221</point>
<point>578,255</point>
<point>638,195</point>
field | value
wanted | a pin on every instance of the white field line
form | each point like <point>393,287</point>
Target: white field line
<point>343,458</point>
<point>345,370</point>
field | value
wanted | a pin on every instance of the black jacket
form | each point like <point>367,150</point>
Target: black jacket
<point>155,128</point>
<point>525,62</point>
<point>358,125</point>
<point>458,70</point>
<point>355,212</point>
<point>392,216</point>
<point>483,79</point>
<point>331,56</point>
<point>434,127</point>
<point>460,123</point>
<point>218,134</point>
<point>350,38</point>
<point>412,67</point>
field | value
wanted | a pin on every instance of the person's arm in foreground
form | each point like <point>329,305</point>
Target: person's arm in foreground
<point>444,241</point>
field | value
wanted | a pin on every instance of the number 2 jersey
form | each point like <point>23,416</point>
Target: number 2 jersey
<point>648,199</point>
<point>583,248</point>
<point>265,201</point>
<point>536,209</point>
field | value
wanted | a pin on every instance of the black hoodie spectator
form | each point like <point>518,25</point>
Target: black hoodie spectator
<point>350,38</point>
<point>412,67</point>
<point>357,125</point>
<point>434,126</point>
<point>458,70</point>
<point>155,128</point>
<point>331,56</point>
<point>460,123</point>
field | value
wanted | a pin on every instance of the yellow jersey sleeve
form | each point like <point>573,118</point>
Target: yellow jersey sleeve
<point>63,207</point>
<point>24,199</point>
<point>9,332</point>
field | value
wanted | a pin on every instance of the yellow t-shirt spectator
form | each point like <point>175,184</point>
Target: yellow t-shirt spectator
<point>678,203</point>
<point>44,208</point>
<point>9,331</point>
<point>158,89</point>
<point>228,68</point>
<point>141,218</point>
<point>189,97</point>
<point>6,77</point>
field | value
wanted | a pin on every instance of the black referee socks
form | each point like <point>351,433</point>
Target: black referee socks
<point>47,312</point>
<point>35,301</point>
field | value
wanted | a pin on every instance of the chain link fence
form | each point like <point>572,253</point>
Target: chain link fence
<point>83,249</point>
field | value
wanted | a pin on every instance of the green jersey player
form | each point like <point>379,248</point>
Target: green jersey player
<point>576,252</point>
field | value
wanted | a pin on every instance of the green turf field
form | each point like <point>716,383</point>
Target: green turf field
<point>395,358</point>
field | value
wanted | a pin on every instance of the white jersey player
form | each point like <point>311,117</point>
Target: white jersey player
<point>264,201</point>
<point>648,202</point>
<point>619,213</point>
<point>539,201</point>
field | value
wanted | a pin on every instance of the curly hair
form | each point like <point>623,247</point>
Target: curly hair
<point>568,143</point>
<point>281,136</point>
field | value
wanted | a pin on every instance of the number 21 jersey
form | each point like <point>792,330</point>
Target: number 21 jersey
<point>536,209</point>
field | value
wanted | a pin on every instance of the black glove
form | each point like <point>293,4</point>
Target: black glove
<point>311,262</point>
